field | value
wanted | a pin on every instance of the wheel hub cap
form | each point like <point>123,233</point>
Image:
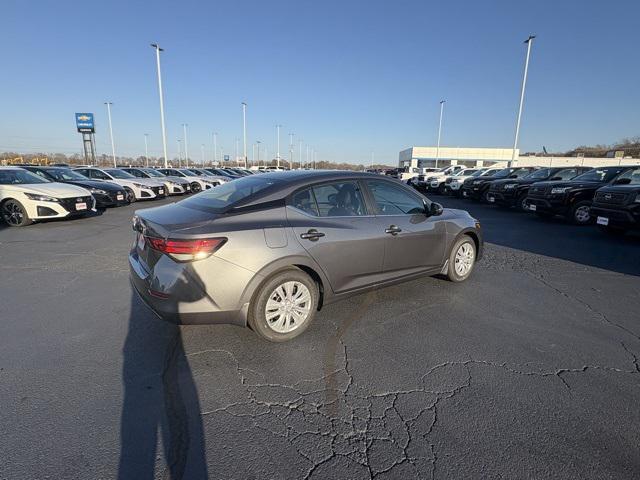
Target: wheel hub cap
<point>464,259</point>
<point>288,307</point>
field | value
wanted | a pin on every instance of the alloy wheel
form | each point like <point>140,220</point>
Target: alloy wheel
<point>464,259</point>
<point>582,214</point>
<point>13,214</point>
<point>288,307</point>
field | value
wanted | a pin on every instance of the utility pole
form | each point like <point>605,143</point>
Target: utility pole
<point>244,133</point>
<point>258,142</point>
<point>146,150</point>
<point>442,102</point>
<point>186,144</point>
<point>529,42</point>
<point>113,148</point>
<point>202,153</point>
<point>179,153</point>
<point>164,134</point>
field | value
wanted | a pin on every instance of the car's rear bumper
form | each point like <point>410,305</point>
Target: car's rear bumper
<point>185,299</point>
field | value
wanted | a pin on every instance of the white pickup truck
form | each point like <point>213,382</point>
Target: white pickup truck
<point>423,182</point>
<point>455,186</point>
<point>440,183</point>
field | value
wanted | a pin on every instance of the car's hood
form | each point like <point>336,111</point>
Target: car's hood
<point>180,180</point>
<point>150,182</point>
<point>620,189</point>
<point>53,189</point>
<point>94,184</point>
<point>568,183</point>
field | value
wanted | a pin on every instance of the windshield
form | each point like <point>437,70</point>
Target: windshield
<point>121,174</point>
<point>152,173</point>
<point>599,175</point>
<point>19,177</point>
<point>489,173</point>
<point>540,174</point>
<point>632,175</point>
<point>505,172</point>
<point>478,173</point>
<point>221,197</point>
<point>65,175</point>
<point>186,172</point>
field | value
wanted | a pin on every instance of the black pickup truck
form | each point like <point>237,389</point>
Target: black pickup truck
<point>616,207</point>
<point>573,198</point>
<point>513,192</point>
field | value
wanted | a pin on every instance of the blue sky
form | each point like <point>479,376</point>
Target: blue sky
<point>347,77</point>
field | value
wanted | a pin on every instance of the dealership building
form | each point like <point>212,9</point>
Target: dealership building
<point>422,157</point>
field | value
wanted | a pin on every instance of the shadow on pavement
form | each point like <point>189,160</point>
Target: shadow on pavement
<point>585,245</point>
<point>160,396</point>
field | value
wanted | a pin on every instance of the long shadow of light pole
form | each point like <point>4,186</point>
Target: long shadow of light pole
<point>160,395</point>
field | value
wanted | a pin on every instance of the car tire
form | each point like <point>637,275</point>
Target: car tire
<point>271,301</point>
<point>441,189</point>
<point>14,214</point>
<point>129,195</point>
<point>521,202</point>
<point>484,196</point>
<point>462,259</point>
<point>579,213</point>
<point>196,187</point>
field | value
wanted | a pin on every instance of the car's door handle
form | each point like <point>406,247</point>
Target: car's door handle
<point>312,235</point>
<point>393,230</point>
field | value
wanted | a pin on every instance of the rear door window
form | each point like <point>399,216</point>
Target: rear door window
<point>339,199</point>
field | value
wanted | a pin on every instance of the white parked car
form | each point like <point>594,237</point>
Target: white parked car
<point>423,182</point>
<point>136,188</point>
<point>201,172</point>
<point>198,183</point>
<point>439,184</point>
<point>455,186</point>
<point>26,197</point>
<point>174,185</point>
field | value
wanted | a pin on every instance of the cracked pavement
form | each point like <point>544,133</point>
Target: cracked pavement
<point>528,370</point>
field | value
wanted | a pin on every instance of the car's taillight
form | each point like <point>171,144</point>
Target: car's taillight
<point>186,250</point>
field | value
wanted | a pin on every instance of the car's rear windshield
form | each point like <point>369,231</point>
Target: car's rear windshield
<point>632,175</point>
<point>599,175</point>
<point>19,177</point>
<point>117,173</point>
<point>222,197</point>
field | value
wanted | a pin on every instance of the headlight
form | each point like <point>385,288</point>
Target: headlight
<point>41,198</point>
<point>510,186</point>
<point>97,190</point>
<point>560,189</point>
<point>477,182</point>
<point>139,185</point>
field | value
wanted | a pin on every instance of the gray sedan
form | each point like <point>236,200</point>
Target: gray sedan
<point>268,251</point>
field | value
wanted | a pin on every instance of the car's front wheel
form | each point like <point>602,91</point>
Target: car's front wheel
<point>580,213</point>
<point>462,259</point>
<point>14,214</point>
<point>196,187</point>
<point>284,306</point>
<point>521,203</point>
<point>129,196</point>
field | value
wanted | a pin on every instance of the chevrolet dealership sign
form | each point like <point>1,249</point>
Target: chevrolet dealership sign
<point>84,122</point>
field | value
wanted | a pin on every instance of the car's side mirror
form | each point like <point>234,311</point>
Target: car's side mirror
<point>622,181</point>
<point>435,209</point>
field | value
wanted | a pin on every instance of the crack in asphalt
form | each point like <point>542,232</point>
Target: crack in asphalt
<point>376,433</point>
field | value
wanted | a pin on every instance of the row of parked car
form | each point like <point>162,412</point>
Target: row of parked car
<point>29,193</point>
<point>608,196</point>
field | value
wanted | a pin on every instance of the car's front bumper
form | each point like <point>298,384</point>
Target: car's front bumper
<point>504,197</point>
<point>628,218</point>
<point>64,207</point>
<point>109,200</point>
<point>549,205</point>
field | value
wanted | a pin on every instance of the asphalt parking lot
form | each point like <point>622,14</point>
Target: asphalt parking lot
<point>528,370</point>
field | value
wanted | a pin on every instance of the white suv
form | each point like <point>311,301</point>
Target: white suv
<point>26,197</point>
<point>440,183</point>
<point>136,188</point>
<point>455,186</point>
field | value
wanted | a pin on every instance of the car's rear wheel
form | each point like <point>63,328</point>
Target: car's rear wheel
<point>196,187</point>
<point>284,306</point>
<point>462,259</point>
<point>580,213</point>
<point>14,214</point>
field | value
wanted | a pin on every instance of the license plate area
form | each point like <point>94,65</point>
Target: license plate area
<point>81,206</point>
<point>533,207</point>
<point>602,221</point>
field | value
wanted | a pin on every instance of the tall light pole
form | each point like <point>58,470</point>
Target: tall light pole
<point>164,134</point>
<point>146,149</point>
<point>291,150</point>
<point>215,148</point>
<point>307,161</point>
<point>529,42</point>
<point>300,153</point>
<point>244,133</point>
<point>278,152</point>
<point>442,102</point>
<point>258,142</point>
<point>186,144</point>
<point>113,148</point>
